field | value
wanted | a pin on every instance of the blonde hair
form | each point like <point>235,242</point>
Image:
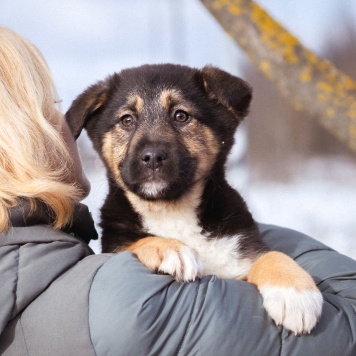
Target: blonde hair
<point>34,158</point>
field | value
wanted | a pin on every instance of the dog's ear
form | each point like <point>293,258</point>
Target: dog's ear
<point>85,105</point>
<point>230,91</point>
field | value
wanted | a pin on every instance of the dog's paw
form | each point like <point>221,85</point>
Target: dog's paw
<point>168,256</point>
<point>297,311</point>
<point>182,263</point>
<point>290,295</point>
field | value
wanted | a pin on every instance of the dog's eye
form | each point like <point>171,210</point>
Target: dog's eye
<point>181,116</point>
<point>127,120</point>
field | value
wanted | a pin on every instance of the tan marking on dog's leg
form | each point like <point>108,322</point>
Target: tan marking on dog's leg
<point>289,293</point>
<point>168,256</point>
<point>278,269</point>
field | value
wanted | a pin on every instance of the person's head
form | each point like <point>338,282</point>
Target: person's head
<point>39,159</point>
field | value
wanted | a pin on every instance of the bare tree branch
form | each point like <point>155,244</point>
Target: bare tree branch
<point>311,83</point>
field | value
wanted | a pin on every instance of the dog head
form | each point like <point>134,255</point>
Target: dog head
<point>160,129</point>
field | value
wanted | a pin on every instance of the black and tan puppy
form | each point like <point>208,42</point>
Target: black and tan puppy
<point>164,133</point>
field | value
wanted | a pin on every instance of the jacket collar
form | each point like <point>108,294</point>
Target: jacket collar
<point>82,225</point>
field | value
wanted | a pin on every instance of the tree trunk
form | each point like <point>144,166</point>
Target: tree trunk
<point>311,83</point>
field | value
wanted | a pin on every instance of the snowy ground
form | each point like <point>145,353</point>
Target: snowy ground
<point>320,201</point>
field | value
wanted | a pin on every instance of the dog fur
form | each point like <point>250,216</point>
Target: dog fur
<point>164,133</point>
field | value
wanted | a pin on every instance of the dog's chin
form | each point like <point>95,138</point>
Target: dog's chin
<point>156,190</point>
<point>153,190</point>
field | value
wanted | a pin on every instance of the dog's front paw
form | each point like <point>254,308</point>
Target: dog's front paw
<point>181,262</point>
<point>290,295</point>
<point>297,311</point>
<point>168,256</point>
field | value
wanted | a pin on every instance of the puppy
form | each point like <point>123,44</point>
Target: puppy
<point>164,133</point>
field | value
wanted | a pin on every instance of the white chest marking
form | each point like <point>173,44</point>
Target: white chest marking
<point>219,256</point>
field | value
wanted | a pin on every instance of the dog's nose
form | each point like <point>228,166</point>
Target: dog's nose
<point>153,157</point>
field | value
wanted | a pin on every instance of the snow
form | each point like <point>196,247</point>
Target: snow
<point>319,202</point>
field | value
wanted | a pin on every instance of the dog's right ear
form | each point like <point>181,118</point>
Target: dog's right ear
<point>84,106</point>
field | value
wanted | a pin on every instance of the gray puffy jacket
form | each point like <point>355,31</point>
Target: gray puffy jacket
<point>57,298</point>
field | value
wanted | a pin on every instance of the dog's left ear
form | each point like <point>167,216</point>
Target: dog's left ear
<point>230,91</point>
<point>84,106</point>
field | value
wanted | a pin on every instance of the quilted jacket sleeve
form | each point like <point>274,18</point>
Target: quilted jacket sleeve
<point>135,312</point>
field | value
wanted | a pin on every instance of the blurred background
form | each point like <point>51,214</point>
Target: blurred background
<point>290,171</point>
